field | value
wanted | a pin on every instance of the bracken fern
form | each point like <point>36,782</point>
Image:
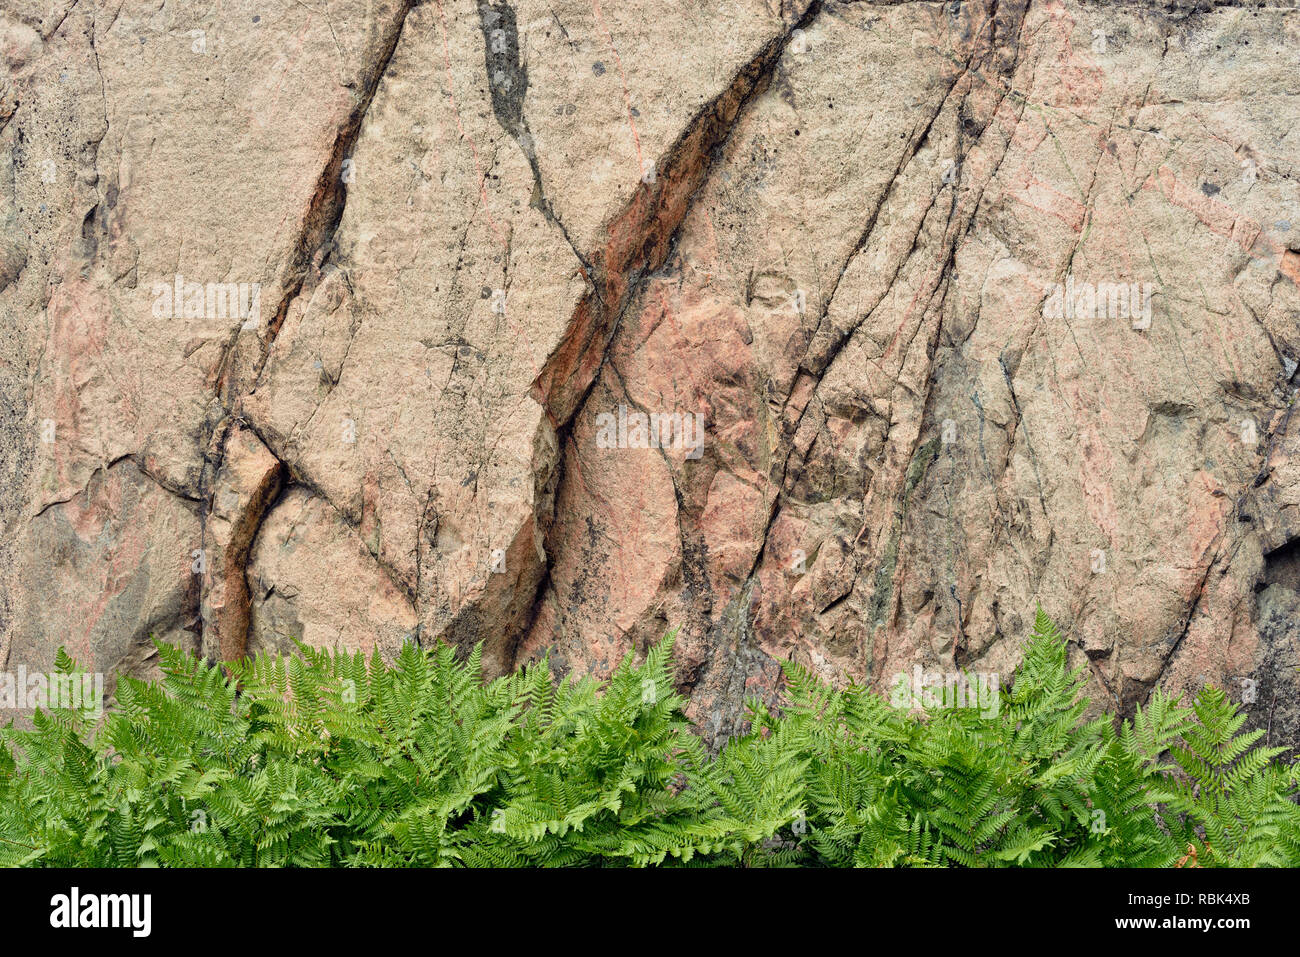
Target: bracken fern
<point>329,759</point>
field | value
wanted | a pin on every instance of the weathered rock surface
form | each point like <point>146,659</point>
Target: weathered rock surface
<point>352,324</point>
<point>315,581</point>
<point>249,478</point>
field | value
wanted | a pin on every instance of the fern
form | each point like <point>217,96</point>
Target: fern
<point>329,759</point>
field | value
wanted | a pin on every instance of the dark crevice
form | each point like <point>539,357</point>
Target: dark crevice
<point>508,84</point>
<point>310,252</point>
<point>620,272</point>
<point>642,235</point>
<point>1282,567</point>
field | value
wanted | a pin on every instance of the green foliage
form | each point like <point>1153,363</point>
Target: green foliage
<point>323,759</point>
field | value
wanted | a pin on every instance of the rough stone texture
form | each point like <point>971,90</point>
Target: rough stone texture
<point>248,480</point>
<point>313,580</point>
<point>478,240</point>
<point>104,571</point>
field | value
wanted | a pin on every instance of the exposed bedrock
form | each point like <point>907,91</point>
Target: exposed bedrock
<point>835,332</point>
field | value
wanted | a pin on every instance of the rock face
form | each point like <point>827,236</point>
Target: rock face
<point>827,331</point>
